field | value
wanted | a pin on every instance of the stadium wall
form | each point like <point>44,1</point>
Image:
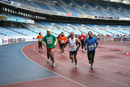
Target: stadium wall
<point>44,16</point>
<point>6,41</point>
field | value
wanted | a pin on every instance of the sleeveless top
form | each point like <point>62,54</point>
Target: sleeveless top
<point>72,44</point>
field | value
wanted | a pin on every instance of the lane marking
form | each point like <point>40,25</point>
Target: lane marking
<point>53,71</point>
<point>31,80</point>
<point>86,72</point>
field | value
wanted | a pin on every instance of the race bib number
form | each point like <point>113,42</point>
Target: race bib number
<point>49,41</point>
<point>62,41</point>
<point>91,47</point>
<point>82,38</point>
<point>72,47</point>
<point>40,39</point>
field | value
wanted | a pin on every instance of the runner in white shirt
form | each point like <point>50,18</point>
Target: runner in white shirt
<point>73,48</point>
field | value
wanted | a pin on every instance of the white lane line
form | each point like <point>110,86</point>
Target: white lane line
<point>108,62</point>
<point>88,73</point>
<point>51,70</point>
<point>32,80</point>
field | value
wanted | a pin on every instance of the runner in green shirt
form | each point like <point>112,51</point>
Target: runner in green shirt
<point>50,41</point>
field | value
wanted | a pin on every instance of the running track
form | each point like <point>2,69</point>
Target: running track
<point>24,66</point>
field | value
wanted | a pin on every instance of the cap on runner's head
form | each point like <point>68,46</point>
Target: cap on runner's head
<point>49,30</point>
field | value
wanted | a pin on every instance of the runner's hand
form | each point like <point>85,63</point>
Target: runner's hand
<point>44,44</point>
<point>95,47</point>
<point>77,48</point>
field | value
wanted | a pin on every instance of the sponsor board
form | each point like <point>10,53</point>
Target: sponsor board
<point>30,39</point>
<point>0,41</point>
<point>5,41</point>
<point>69,14</point>
<point>126,39</point>
<point>7,1</point>
<point>15,3</point>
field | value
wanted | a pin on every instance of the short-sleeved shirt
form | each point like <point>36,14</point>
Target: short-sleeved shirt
<point>50,40</point>
<point>82,37</point>
<point>39,38</point>
<point>91,43</point>
<point>62,39</point>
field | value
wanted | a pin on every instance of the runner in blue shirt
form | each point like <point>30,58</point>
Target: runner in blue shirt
<point>91,46</point>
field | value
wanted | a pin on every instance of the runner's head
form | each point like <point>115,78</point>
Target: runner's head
<point>82,34</point>
<point>40,33</point>
<point>62,33</point>
<point>72,35</point>
<point>48,32</point>
<point>90,34</point>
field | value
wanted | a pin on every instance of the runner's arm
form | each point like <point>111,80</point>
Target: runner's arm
<point>66,43</point>
<point>78,44</point>
<point>43,40</point>
<point>68,36</point>
<point>85,44</point>
<point>96,43</point>
<point>55,41</point>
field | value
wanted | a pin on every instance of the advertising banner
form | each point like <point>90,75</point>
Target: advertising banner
<point>17,20</point>
<point>21,39</point>
<point>30,21</point>
<point>7,1</point>
<point>85,16</point>
<point>29,39</point>
<point>75,15</point>
<point>69,14</point>
<point>0,41</point>
<point>11,19</point>
<point>21,20</point>
<point>15,3</point>
<point>5,41</point>
<point>17,40</point>
<point>126,39</point>
<point>2,18</point>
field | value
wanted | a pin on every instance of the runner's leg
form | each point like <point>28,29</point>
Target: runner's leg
<point>71,56</point>
<point>93,54</point>
<point>48,55</point>
<point>89,56</point>
<point>52,55</point>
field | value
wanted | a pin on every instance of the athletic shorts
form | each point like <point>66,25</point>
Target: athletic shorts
<point>50,49</point>
<point>73,52</point>
<point>91,55</point>
<point>62,45</point>
<point>40,44</point>
<point>82,42</point>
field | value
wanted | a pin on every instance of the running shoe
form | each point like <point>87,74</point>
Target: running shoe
<point>53,65</point>
<point>72,60</point>
<point>62,54</point>
<point>47,61</point>
<point>76,66</point>
<point>90,61</point>
<point>91,67</point>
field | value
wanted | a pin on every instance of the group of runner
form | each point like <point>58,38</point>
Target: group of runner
<point>74,44</point>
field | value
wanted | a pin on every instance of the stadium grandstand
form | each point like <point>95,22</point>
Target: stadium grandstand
<point>26,18</point>
<point>33,43</point>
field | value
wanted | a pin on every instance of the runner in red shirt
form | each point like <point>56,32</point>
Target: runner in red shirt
<point>39,37</point>
<point>82,37</point>
<point>62,41</point>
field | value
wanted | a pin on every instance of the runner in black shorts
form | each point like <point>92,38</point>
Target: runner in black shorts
<point>91,41</point>
<point>82,38</point>
<point>73,48</point>
<point>39,37</point>
<point>62,41</point>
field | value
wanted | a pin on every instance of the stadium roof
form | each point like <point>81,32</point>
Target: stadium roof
<point>119,1</point>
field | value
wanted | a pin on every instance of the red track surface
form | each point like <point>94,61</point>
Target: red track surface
<point>111,68</point>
